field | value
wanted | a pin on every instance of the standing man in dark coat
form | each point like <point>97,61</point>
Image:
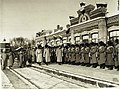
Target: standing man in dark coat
<point>102,54</point>
<point>11,59</point>
<point>77,54</point>
<point>4,59</point>
<point>29,56</point>
<point>116,54</point>
<point>86,54</point>
<point>94,55</point>
<point>21,59</point>
<point>110,55</point>
<point>82,55</point>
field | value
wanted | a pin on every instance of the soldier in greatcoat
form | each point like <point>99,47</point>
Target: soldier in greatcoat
<point>39,54</point>
<point>11,59</point>
<point>47,54</point>
<point>116,54</point>
<point>4,59</point>
<point>82,57</point>
<point>29,53</point>
<point>20,58</point>
<point>77,54</point>
<point>25,57</point>
<point>69,54</point>
<point>33,54</point>
<point>94,55</point>
<point>65,53</point>
<point>72,54</point>
<point>110,55</point>
<point>59,54</point>
<point>102,54</point>
<point>86,55</point>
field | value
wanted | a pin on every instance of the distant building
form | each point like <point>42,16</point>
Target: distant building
<point>91,25</point>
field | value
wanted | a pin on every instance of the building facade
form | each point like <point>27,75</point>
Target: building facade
<point>91,25</point>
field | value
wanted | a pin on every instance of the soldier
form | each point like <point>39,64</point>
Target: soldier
<point>72,54</point>
<point>59,54</point>
<point>29,53</point>
<point>94,55</point>
<point>86,55</point>
<point>20,59</point>
<point>47,54</point>
<point>110,55</point>
<point>4,59</point>
<point>82,57</point>
<point>117,54</point>
<point>39,54</point>
<point>33,54</point>
<point>11,58</point>
<point>69,54</point>
<point>65,53</point>
<point>102,54</point>
<point>77,54</point>
<point>25,58</point>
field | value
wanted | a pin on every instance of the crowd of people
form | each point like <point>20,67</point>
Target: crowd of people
<point>84,54</point>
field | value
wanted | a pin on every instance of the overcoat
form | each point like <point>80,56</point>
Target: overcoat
<point>59,54</point>
<point>116,55</point>
<point>82,58</point>
<point>109,55</point>
<point>20,59</point>
<point>10,61</point>
<point>93,53</point>
<point>4,60</point>
<point>65,52</point>
<point>72,54</point>
<point>47,54</point>
<point>86,54</point>
<point>102,55</point>
<point>77,55</point>
<point>39,55</point>
<point>69,54</point>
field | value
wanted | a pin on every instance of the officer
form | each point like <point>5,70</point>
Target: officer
<point>110,55</point>
<point>94,55</point>
<point>102,54</point>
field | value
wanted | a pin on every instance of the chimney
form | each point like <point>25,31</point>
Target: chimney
<point>82,4</point>
<point>101,5</point>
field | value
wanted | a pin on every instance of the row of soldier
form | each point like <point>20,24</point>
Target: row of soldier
<point>85,54</point>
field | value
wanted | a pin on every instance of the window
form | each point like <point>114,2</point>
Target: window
<point>85,38</point>
<point>95,37</point>
<point>77,39</point>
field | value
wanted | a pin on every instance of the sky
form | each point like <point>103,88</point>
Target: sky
<point>27,17</point>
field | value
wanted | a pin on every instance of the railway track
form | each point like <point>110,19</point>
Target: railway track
<point>81,81</point>
<point>82,78</point>
<point>62,78</point>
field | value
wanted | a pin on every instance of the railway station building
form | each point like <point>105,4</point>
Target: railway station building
<point>91,25</point>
